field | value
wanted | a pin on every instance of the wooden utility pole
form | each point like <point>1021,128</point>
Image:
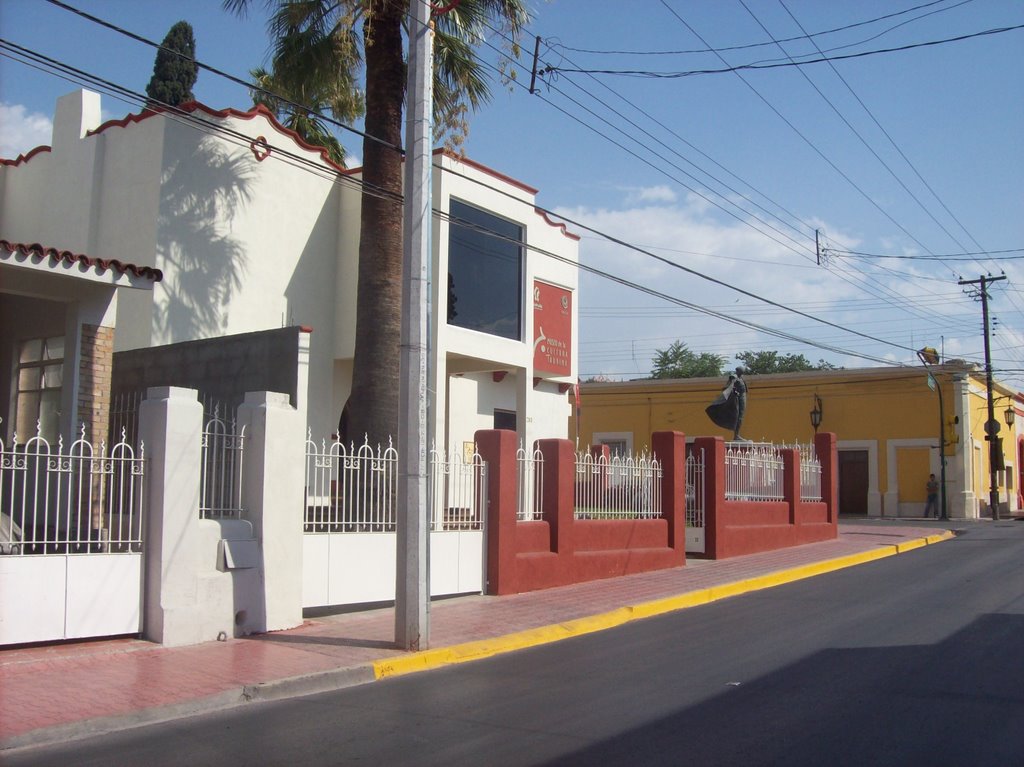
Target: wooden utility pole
<point>992,426</point>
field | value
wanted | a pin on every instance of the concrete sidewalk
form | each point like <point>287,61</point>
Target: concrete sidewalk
<point>61,692</point>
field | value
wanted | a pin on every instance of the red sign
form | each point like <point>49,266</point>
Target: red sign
<point>552,329</point>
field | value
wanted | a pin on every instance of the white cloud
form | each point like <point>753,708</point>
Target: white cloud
<point>650,194</point>
<point>622,327</point>
<point>21,131</point>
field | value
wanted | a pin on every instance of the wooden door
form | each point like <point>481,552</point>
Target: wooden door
<point>853,481</point>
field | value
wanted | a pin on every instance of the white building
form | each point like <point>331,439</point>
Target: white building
<point>254,230</point>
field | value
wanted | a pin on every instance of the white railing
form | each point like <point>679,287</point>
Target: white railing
<point>82,500</point>
<point>694,488</point>
<point>617,488</point>
<point>220,486</point>
<point>753,472</point>
<point>531,483</point>
<point>810,473</point>
<point>457,491</point>
<point>350,489</point>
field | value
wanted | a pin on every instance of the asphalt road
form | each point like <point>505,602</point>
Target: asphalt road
<point>912,660</point>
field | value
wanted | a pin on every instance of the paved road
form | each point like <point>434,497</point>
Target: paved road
<point>911,660</point>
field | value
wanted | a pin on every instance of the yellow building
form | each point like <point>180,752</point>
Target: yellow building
<point>886,420</point>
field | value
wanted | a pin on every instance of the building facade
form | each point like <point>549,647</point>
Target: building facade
<point>254,230</point>
<point>888,422</point>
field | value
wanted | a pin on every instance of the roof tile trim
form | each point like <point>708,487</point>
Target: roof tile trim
<point>26,156</point>
<point>194,106</point>
<point>557,224</point>
<point>56,256</point>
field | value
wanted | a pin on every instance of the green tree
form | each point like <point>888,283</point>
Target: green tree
<point>773,362</point>
<point>175,70</point>
<point>677,361</point>
<point>319,40</point>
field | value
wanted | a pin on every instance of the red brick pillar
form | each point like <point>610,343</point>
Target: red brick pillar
<point>669,448</point>
<point>558,495</point>
<point>95,366</point>
<point>96,359</point>
<point>714,494</point>
<point>497,447</point>
<point>791,481</point>
<point>825,447</point>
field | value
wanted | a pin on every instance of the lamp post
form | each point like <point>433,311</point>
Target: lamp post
<point>929,356</point>
<point>817,413</point>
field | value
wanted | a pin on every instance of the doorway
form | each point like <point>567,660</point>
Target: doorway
<point>853,482</point>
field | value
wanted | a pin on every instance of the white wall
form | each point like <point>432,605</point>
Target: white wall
<point>246,245</point>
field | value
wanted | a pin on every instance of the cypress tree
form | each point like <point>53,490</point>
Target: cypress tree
<point>175,70</point>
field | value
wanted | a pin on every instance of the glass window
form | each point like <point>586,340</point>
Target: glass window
<point>505,419</point>
<point>40,375</point>
<point>485,282</point>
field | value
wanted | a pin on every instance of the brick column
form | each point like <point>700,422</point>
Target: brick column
<point>95,362</point>
<point>171,426</point>
<point>559,500</point>
<point>497,447</point>
<point>825,447</point>
<point>669,448</point>
<point>96,356</point>
<point>272,493</point>
<point>714,494</point>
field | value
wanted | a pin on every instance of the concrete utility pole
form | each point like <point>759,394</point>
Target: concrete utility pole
<point>412,577</point>
<point>992,426</point>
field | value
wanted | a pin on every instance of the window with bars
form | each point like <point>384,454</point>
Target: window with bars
<point>40,375</point>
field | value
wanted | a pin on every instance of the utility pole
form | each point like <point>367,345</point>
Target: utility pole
<point>412,576</point>
<point>992,426</point>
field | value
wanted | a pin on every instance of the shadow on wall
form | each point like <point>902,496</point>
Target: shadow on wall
<point>203,265</point>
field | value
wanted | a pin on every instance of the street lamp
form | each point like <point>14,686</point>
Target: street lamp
<point>816,413</point>
<point>1009,416</point>
<point>929,356</point>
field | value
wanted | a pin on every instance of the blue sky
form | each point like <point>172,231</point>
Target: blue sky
<point>913,153</point>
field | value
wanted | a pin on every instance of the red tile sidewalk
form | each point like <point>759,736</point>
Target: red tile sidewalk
<point>63,691</point>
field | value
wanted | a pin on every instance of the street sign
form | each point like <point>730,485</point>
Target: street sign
<point>992,427</point>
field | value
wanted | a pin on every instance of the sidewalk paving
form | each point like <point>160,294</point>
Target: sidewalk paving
<point>64,691</point>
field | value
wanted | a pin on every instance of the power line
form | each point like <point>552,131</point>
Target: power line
<point>753,326</point>
<point>748,46</point>
<point>990,255</point>
<point>780,65</point>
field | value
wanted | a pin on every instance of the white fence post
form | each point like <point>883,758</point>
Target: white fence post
<point>171,425</point>
<point>273,497</point>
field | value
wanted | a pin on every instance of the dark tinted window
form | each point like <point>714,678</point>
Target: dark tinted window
<point>484,272</point>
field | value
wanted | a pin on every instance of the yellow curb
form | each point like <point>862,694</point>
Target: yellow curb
<point>485,648</point>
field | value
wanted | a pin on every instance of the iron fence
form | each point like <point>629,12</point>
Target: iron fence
<point>457,491</point>
<point>80,500</point>
<point>695,488</point>
<point>753,472</point>
<point>531,481</point>
<point>617,488</point>
<point>353,489</point>
<point>220,488</point>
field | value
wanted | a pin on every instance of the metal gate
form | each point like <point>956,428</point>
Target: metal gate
<point>349,545</point>
<point>695,502</point>
<point>70,540</point>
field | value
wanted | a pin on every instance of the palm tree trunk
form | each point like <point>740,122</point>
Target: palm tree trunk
<point>374,402</point>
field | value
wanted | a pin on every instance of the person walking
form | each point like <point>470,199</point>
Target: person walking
<point>931,506</point>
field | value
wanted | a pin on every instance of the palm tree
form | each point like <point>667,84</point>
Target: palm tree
<point>284,101</point>
<point>319,40</point>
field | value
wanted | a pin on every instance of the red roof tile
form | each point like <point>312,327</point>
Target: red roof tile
<point>35,250</point>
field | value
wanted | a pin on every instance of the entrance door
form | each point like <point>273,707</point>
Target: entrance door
<point>853,481</point>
